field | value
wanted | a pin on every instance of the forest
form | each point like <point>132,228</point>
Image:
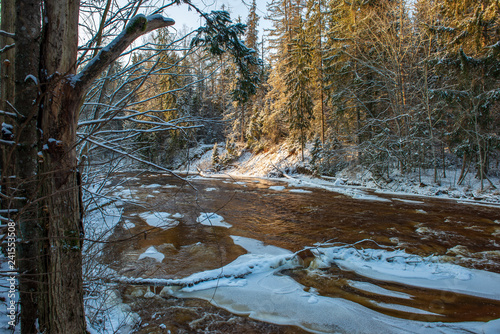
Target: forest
<point>102,87</point>
<point>385,84</point>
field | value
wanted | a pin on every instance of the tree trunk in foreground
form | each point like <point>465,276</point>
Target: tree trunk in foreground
<point>20,166</point>
<point>43,157</point>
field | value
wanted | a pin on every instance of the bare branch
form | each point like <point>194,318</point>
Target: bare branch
<point>7,47</point>
<point>140,160</point>
<point>7,34</point>
<point>138,26</point>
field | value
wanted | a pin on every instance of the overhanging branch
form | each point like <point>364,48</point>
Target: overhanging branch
<point>138,26</point>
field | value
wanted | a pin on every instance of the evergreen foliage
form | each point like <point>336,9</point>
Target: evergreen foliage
<point>373,83</point>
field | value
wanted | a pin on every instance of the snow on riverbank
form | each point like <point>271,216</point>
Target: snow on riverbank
<point>282,161</point>
<point>104,309</point>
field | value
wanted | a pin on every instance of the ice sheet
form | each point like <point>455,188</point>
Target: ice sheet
<point>212,219</point>
<point>159,219</point>
<point>152,253</point>
<point>249,286</point>
<point>401,267</point>
<point>262,295</point>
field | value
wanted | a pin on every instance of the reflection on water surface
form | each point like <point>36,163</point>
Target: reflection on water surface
<point>463,234</point>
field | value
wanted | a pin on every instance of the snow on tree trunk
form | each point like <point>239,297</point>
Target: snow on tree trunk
<point>40,159</point>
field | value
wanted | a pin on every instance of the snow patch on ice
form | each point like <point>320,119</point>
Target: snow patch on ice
<point>401,267</point>
<point>152,253</point>
<point>159,219</point>
<point>212,219</point>
<point>150,186</point>
<point>300,191</point>
<point>107,314</point>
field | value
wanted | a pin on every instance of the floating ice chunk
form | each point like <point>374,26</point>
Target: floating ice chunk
<point>407,201</point>
<point>124,193</point>
<point>369,287</point>
<point>277,188</point>
<point>159,219</point>
<point>154,185</point>
<point>300,191</point>
<point>149,294</point>
<point>128,225</point>
<point>210,189</point>
<point>212,219</point>
<point>257,247</point>
<point>152,253</point>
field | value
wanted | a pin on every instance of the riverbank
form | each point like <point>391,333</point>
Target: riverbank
<point>283,161</point>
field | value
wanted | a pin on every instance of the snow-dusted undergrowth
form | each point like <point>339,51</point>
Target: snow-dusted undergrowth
<point>284,161</point>
<point>104,309</point>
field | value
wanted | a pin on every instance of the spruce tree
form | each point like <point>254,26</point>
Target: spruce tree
<point>468,34</point>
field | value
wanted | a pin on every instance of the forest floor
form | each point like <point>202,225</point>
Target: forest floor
<point>284,161</point>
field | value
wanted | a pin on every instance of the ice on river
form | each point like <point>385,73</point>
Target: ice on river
<point>159,219</point>
<point>300,191</point>
<point>249,286</point>
<point>151,186</point>
<point>152,253</point>
<point>212,219</point>
<point>400,267</point>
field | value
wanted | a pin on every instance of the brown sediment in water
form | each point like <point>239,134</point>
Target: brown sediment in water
<point>459,233</point>
<point>182,316</point>
<point>433,305</point>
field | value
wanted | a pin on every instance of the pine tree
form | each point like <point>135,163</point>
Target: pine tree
<point>297,80</point>
<point>276,98</point>
<point>315,33</point>
<point>215,157</point>
<point>468,34</point>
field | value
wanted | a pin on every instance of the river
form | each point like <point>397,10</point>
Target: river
<point>357,263</point>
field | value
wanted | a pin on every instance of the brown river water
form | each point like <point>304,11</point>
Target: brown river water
<point>460,233</point>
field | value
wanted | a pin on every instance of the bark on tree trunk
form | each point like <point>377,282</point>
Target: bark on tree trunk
<point>7,92</point>
<point>61,305</point>
<point>23,156</point>
<point>47,100</point>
